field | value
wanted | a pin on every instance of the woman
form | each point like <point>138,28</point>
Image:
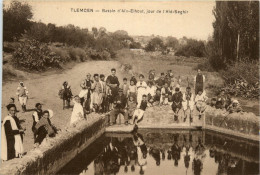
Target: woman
<point>11,141</point>
<point>44,127</point>
<point>77,112</point>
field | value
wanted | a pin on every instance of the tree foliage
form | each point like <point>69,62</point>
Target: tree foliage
<point>155,44</point>
<point>16,18</point>
<point>172,42</point>
<point>236,32</point>
<point>34,55</point>
<point>191,47</point>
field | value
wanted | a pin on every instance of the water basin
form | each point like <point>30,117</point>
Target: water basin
<point>166,152</point>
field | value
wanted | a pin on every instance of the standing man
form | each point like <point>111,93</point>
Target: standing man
<point>96,93</point>
<point>113,83</point>
<point>199,81</point>
<point>85,93</point>
<point>22,94</point>
<point>119,108</point>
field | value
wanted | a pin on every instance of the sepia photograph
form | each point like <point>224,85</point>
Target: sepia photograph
<point>129,87</point>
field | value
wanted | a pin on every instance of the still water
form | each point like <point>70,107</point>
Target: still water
<point>166,152</point>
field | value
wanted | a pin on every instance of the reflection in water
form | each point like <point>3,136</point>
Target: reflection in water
<point>166,152</point>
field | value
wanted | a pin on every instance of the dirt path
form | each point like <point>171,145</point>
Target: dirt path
<point>45,90</point>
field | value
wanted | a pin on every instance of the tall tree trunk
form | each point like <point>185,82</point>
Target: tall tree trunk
<point>238,37</point>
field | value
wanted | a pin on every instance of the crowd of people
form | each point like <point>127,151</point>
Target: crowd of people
<point>103,94</point>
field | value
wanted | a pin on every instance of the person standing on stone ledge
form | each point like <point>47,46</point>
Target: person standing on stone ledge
<point>199,82</point>
<point>113,84</point>
<point>11,135</point>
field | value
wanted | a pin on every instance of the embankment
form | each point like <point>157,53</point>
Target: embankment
<point>57,152</point>
<point>243,125</point>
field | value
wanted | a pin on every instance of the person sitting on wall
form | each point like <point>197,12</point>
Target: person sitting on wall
<point>221,100</point>
<point>188,103</point>
<point>160,82</point>
<point>157,97</point>
<point>177,103</point>
<point>139,113</point>
<point>119,108</point>
<point>165,93</point>
<point>200,102</point>
<point>37,115</point>
<point>45,128</point>
<point>234,107</point>
<point>78,111</point>
<point>150,90</point>
<point>131,106</point>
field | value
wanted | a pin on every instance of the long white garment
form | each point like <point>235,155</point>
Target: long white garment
<point>151,90</point>
<point>141,90</point>
<point>77,113</point>
<point>189,103</point>
<point>18,146</point>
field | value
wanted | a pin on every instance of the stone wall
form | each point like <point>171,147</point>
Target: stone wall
<point>245,123</point>
<point>56,152</point>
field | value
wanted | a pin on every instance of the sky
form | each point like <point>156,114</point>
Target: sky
<point>195,23</point>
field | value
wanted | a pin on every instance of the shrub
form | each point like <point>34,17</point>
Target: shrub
<point>62,52</point>
<point>77,54</point>
<point>33,55</point>
<point>191,48</point>
<point>247,71</point>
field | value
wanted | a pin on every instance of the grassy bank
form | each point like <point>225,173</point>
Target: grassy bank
<point>143,62</point>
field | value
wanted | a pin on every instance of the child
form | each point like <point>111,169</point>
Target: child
<point>138,114</point>
<point>157,97</point>
<point>78,112</point>
<point>200,101</point>
<point>151,90</point>
<point>165,92</point>
<point>141,89</point>
<point>110,102</point>
<point>131,106</point>
<point>176,103</point>
<point>132,91</point>
<point>188,103</point>
<point>125,87</point>
<point>12,102</point>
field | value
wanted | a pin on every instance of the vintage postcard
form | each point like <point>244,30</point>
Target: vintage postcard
<point>130,87</point>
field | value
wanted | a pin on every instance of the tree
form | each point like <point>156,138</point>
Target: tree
<point>172,42</point>
<point>155,44</point>
<point>16,20</point>
<point>236,31</point>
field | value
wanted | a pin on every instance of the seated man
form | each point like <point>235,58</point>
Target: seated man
<point>234,107</point>
<point>138,114</point>
<point>119,108</point>
<point>188,103</point>
<point>176,102</point>
<point>157,97</point>
<point>165,93</point>
<point>131,106</point>
<point>200,101</point>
